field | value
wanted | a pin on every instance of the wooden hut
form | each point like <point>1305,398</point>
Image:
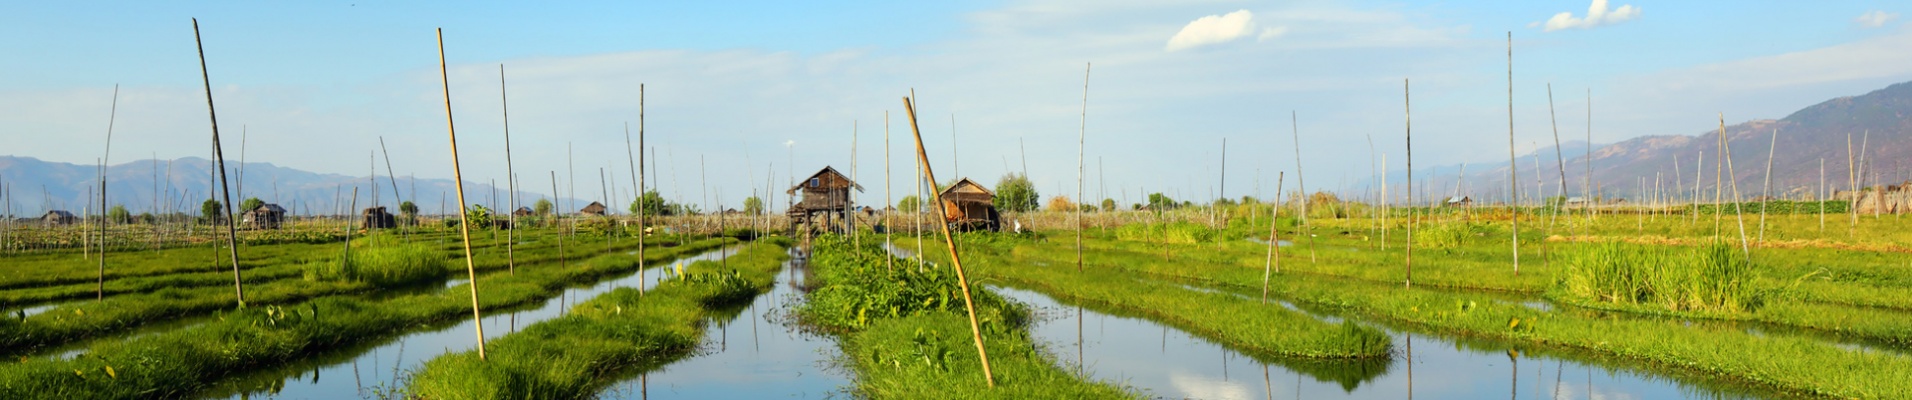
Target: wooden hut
<point>268,216</point>
<point>968,205</point>
<point>826,200</point>
<point>595,208</point>
<point>1458,201</point>
<point>377,218</point>
<point>522,212</point>
<point>58,217</point>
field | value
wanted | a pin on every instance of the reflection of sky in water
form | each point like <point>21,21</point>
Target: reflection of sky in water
<point>367,370</point>
<point>1168,363</point>
<point>753,356</point>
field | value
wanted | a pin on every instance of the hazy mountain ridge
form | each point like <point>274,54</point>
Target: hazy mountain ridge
<point>39,185</point>
<point>1815,133</point>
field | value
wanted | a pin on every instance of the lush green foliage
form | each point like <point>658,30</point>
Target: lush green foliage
<point>1171,232</point>
<point>1014,193</point>
<point>573,355</point>
<point>383,264</point>
<point>1714,278</point>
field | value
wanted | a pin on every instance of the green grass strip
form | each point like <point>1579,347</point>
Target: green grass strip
<point>179,363</point>
<point>575,355</point>
<point>1787,364</point>
<point>904,333</point>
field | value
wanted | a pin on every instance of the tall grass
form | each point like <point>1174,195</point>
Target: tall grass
<point>1452,235</point>
<point>385,266</point>
<point>1170,232</point>
<point>1711,278</point>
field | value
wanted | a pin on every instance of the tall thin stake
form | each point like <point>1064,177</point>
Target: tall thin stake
<point>1301,183</point>
<point>642,208</point>
<point>464,218</point>
<point>511,237</point>
<point>1513,164</point>
<point>1766,199</point>
<point>1407,101</point>
<point>1737,214</point>
<point>1274,237</point>
<point>975,330</point>
<point>1082,135</point>
<point>100,290</point>
<point>232,228</point>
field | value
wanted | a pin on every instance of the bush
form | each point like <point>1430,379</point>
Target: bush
<point>1708,278</point>
<point>383,264</point>
<point>1451,235</point>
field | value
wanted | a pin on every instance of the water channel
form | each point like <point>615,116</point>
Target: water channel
<point>379,369</point>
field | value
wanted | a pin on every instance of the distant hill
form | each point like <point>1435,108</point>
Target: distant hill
<point>1805,138</point>
<point>40,185</point>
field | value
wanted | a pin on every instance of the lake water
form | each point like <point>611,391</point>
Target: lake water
<point>380,367</point>
<point>1116,349</point>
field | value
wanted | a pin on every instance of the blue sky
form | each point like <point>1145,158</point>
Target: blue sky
<point>321,82</point>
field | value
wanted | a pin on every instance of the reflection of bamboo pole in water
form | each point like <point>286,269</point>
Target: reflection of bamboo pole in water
<point>1079,371</point>
<point>1410,368</point>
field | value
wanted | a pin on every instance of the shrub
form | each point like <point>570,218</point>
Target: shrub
<point>1708,278</point>
<point>383,265</point>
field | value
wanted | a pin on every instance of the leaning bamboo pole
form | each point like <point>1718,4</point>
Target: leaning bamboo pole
<point>232,229</point>
<point>511,180</point>
<point>1766,193</point>
<point>458,179</point>
<point>100,290</point>
<point>1737,214</point>
<point>1560,159</point>
<point>975,330</point>
<point>1274,238</point>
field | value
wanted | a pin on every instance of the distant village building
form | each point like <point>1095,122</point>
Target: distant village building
<point>522,212</point>
<point>1459,201</point>
<point>58,217</point>
<point>595,208</point>
<point>377,218</point>
<point>968,205</point>
<point>268,216</point>
<point>826,202</point>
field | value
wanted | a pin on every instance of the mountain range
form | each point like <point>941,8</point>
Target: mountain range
<point>180,185</point>
<point>1878,125</point>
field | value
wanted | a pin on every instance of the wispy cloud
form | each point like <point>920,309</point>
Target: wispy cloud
<point>1272,33</point>
<point>1875,18</point>
<point>1597,15</point>
<point>1214,29</point>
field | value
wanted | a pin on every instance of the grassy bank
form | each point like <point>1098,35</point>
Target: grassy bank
<point>904,332</point>
<point>1226,318</point>
<point>575,355</point>
<point>1792,365</point>
<point>179,363</point>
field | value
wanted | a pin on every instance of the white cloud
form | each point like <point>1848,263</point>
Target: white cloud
<point>1272,33</point>
<point>1213,29</point>
<point>1597,15</point>
<point>1875,18</point>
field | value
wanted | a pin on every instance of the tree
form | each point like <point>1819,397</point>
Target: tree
<point>478,215</point>
<point>1159,201</point>
<point>542,207</point>
<point>250,203</point>
<point>909,204</point>
<point>653,204</point>
<point>1061,203</point>
<point>1108,204</point>
<point>409,211</point>
<point>210,210</point>
<point>753,205</point>
<point>1014,193</point>
<point>118,214</point>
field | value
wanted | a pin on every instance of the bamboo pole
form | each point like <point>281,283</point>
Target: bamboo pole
<point>464,218</point>
<point>1737,214</point>
<point>642,208</point>
<point>1082,135</point>
<point>1586,191</point>
<point>511,182</point>
<point>1766,200</point>
<point>1560,160</point>
<point>1274,238</point>
<point>1407,102</point>
<point>975,330</point>
<point>1513,164</point>
<point>232,230</point>
<point>112,116</point>
<point>1301,183</point>
<point>563,260</point>
<point>889,262</point>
